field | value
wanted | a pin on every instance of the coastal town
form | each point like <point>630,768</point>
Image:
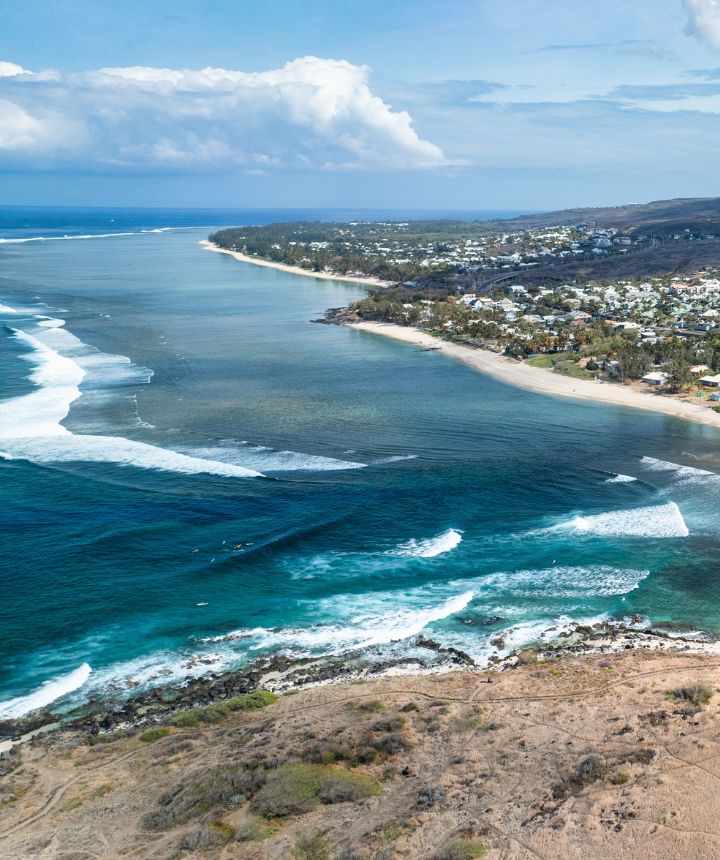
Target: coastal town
<point>444,250</point>
<point>478,286</point>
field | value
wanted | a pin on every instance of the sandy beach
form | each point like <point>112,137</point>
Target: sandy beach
<point>544,381</point>
<point>294,270</point>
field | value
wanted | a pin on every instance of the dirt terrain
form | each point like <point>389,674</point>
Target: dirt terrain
<point>608,756</point>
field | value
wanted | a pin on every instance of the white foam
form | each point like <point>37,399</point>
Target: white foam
<point>163,667</point>
<point>621,479</point>
<point>397,459</point>
<point>68,238</point>
<point>266,460</point>
<point>683,473</point>
<point>429,547</point>
<point>31,428</point>
<point>539,632</point>
<point>662,521</point>
<point>49,692</point>
<point>567,582</point>
<point>382,623</point>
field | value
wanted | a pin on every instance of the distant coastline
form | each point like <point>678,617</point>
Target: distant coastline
<point>294,270</point>
<point>544,381</point>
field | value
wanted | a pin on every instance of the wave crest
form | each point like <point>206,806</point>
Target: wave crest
<point>49,692</point>
<point>429,547</point>
<point>663,521</point>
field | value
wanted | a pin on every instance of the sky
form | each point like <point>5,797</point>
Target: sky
<point>436,104</point>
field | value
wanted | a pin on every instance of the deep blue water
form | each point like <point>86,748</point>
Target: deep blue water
<point>401,491</point>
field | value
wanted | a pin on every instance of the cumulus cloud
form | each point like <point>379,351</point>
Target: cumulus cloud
<point>704,21</point>
<point>312,112</point>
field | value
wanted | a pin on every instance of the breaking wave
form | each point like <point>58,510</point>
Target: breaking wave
<point>267,460</point>
<point>688,474</point>
<point>31,425</point>
<point>663,521</point>
<point>429,547</point>
<point>567,582</point>
<point>621,479</point>
<point>82,236</point>
<point>381,624</point>
<point>49,692</point>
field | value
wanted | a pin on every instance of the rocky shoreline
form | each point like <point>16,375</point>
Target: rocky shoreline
<point>283,674</point>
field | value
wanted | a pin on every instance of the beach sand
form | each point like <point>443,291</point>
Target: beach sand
<point>544,381</point>
<point>294,270</point>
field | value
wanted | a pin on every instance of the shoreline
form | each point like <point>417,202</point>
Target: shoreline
<point>517,374</point>
<point>284,675</point>
<point>293,270</point>
<point>541,380</point>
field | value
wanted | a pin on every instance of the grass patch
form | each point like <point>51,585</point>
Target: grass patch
<point>541,361</point>
<point>72,804</point>
<point>467,724</point>
<point>219,710</point>
<point>252,701</point>
<point>462,849</point>
<point>561,362</point>
<point>154,734</point>
<point>361,709</point>
<point>294,789</point>
<point>569,368</point>
<point>185,720</point>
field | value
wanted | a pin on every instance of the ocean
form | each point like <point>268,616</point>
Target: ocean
<point>193,475</point>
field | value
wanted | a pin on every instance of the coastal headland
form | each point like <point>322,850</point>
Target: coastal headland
<point>577,756</point>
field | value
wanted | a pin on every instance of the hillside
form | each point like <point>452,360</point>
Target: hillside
<point>661,217</point>
<point>575,758</point>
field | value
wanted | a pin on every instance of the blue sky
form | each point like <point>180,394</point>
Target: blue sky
<point>479,104</point>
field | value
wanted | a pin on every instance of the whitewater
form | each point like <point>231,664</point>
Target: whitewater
<point>194,476</point>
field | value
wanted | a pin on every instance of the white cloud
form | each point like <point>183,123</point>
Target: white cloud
<point>704,21</point>
<point>312,112</point>
<point>10,70</point>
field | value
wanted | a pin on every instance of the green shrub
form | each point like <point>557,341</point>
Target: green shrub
<point>374,706</point>
<point>619,778</point>
<point>697,695</point>
<point>207,836</point>
<point>252,701</point>
<point>311,847</point>
<point>185,719</point>
<point>294,789</point>
<point>154,734</point>
<point>388,724</point>
<point>220,787</point>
